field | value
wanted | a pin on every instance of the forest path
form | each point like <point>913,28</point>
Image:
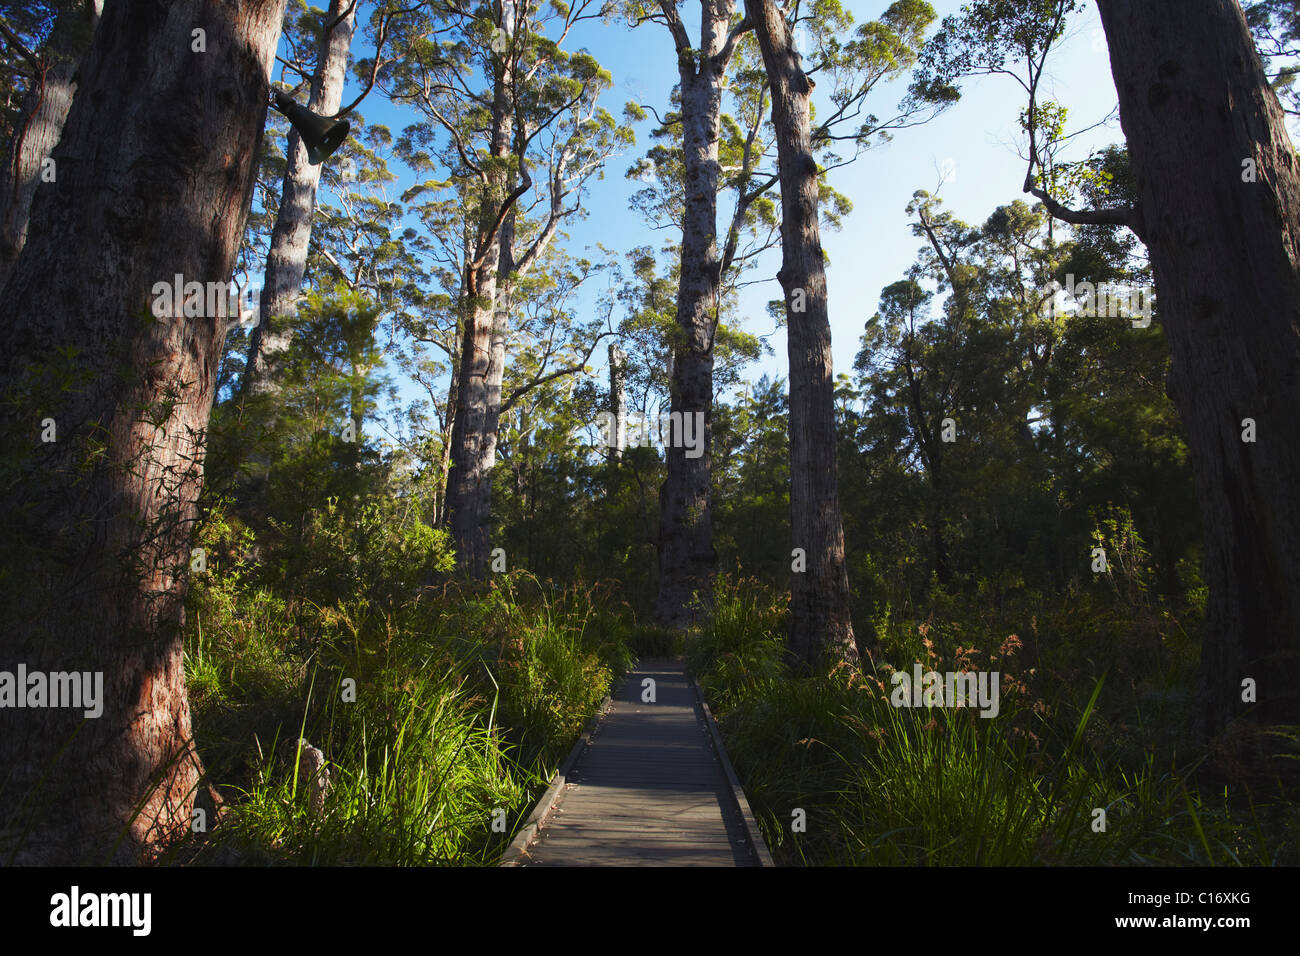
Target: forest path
<point>650,785</point>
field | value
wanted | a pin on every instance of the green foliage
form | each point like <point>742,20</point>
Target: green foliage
<point>464,704</point>
<point>883,785</point>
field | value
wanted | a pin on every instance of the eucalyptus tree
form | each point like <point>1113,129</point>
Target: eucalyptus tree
<point>1219,209</point>
<point>358,243</point>
<point>1216,201</point>
<point>704,153</point>
<point>286,259</point>
<point>107,388</point>
<point>821,627</point>
<point>686,556</point>
<point>499,96</point>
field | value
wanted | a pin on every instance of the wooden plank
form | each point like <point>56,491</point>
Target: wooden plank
<point>647,788</point>
<point>533,825</point>
<point>754,834</point>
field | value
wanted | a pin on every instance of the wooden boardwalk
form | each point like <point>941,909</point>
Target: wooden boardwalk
<point>649,785</point>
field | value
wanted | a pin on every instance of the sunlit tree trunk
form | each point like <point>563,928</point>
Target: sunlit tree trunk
<point>687,560</point>
<point>478,389</point>
<point>286,262</point>
<point>820,625</point>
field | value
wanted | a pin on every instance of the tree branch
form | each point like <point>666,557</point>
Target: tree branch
<point>1129,216</point>
<point>19,48</point>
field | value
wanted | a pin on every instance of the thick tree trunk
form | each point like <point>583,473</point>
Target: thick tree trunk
<point>45,108</point>
<point>478,391</point>
<point>469,483</point>
<point>286,262</point>
<point>1195,105</point>
<point>155,179</point>
<point>820,624</point>
<point>687,560</point>
<point>478,387</point>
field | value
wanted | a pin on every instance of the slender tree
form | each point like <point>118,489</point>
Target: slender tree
<point>819,604</point>
<point>820,624</point>
<point>287,259</point>
<point>539,108</point>
<point>686,556</point>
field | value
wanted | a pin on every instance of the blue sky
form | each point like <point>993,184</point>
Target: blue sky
<point>976,139</point>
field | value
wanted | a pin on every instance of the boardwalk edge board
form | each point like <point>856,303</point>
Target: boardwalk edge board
<point>516,853</point>
<point>737,791</point>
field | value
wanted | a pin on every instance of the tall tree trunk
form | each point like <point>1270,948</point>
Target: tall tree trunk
<point>687,560</point>
<point>478,392</point>
<point>479,397</point>
<point>820,624</point>
<point>617,403</point>
<point>286,262</point>
<point>45,108</point>
<point>448,426</point>
<point>1195,105</point>
<point>156,177</point>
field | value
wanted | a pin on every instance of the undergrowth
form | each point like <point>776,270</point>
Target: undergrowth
<point>1068,772</point>
<point>441,718</point>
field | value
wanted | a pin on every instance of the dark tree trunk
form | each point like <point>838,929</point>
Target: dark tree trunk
<point>448,426</point>
<point>286,262</point>
<point>45,108</point>
<point>155,179</point>
<point>821,629</point>
<point>687,560</point>
<point>1195,104</point>
<point>469,481</point>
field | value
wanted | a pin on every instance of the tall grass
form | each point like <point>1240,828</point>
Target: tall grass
<point>885,785</point>
<point>441,719</point>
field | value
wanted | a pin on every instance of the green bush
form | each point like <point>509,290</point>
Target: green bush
<point>436,715</point>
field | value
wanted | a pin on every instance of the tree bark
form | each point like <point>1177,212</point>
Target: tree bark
<point>155,179</point>
<point>478,392</point>
<point>687,559</point>
<point>1195,105</point>
<point>45,109</point>
<point>286,262</point>
<point>617,403</point>
<point>821,629</point>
